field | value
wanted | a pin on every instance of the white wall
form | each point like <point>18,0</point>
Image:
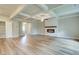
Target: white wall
<point>67,27</point>
<point>15,29</point>
<point>51,22</point>
<point>37,27</point>
<point>2,29</point>
<point>28,28</point>
<point>8,29</point>
<point>11,28</point>
<point>20,29</point>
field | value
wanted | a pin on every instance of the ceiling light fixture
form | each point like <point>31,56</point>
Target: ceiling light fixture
<point>42,19</point>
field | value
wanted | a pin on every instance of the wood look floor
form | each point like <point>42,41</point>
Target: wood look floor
<point>38,45</point>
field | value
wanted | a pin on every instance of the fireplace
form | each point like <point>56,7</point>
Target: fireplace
<point>51,30</point>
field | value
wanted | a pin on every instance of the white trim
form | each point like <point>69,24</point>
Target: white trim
<point>67,37</point>
<point>24,14</point>
<point>17,11</point>
<point>69,16</point>
<point>58,7</point>
<point>45,8</point>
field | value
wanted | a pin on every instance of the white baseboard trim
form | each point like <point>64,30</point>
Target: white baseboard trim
<point>11,36</point>
<point>67,37</point>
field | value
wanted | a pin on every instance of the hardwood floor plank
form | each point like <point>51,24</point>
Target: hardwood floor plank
<point>38,45</point>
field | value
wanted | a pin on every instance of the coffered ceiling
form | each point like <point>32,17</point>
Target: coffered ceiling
<point>52,6</point>
<point>38,11</point>
<point>9,10</point>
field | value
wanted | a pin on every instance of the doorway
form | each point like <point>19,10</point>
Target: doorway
<point>26,28</point>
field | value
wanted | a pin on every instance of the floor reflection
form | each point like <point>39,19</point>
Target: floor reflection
<point>24,40</point>
<point>39,45</point>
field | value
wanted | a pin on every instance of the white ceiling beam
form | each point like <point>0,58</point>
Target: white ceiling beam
<point>24,14</point>
<point>45,8</point>
<point>75,15</point>
<point>53,13</point>
<point>71,9</point>
<point>74,9</point>
<point>57,7</point>
<point>70,12</point>
<point>17,11</point>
